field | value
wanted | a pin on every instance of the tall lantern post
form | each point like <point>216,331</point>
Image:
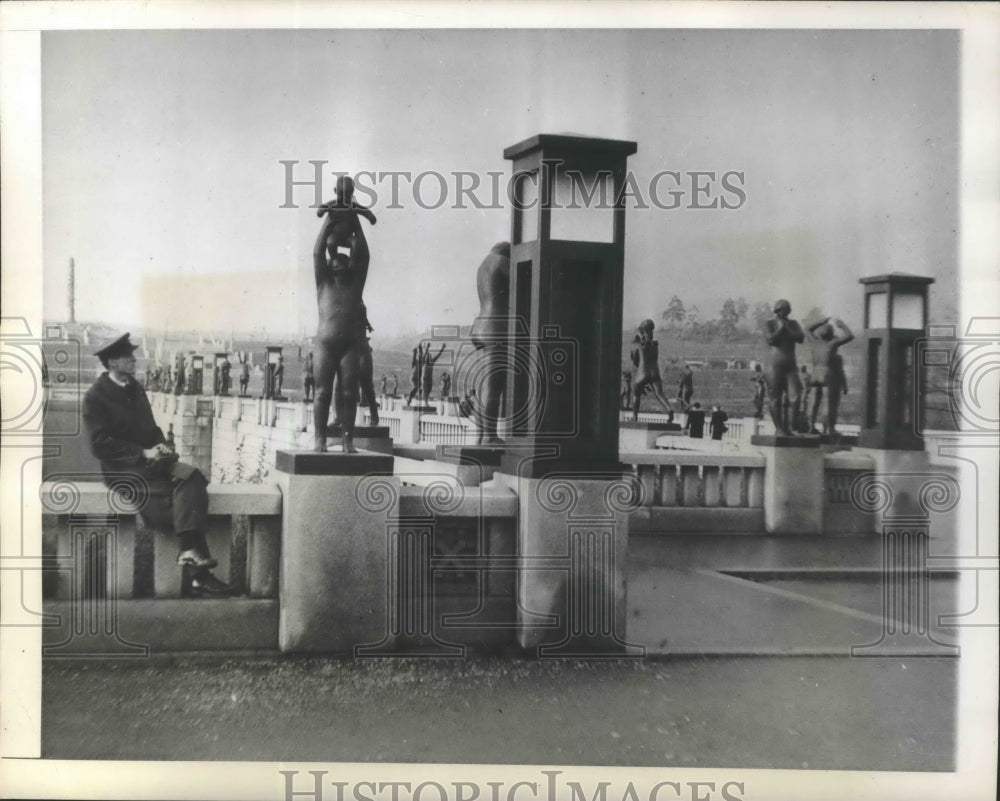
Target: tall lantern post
<point>895,317</point>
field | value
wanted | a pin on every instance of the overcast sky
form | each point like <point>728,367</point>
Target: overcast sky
<point>162,174</point>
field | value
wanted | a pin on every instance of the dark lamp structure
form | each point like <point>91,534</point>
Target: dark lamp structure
<point>895,318</point>
<point>567,265</point>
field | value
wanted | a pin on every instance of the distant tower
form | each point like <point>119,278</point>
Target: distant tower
<point>72,291</point>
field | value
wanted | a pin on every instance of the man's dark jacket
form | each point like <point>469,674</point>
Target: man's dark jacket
<point>120,424</point>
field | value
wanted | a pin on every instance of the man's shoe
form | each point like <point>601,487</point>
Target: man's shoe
<point>205,585</point>
<point>191,558</point>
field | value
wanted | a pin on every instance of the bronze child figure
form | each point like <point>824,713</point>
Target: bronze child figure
<point>829,370</point>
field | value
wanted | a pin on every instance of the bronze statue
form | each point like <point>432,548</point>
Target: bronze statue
<point>179,381</point>
<point>783,334</point>
<point>367,372</point>
<point>224,370</point>
<point>445,386</point>
<point>427,370</point>
<point>685,389</point>
<point>626,396</point>
<point>416,364</point>
<point>278,376</point>
<point>645,356</point>
<point>340,284</point>
<point>829,372</point>
<point>244,372</point>
<point>759,391</point>
<point>489,335</point>
<point>308,379</point>
<point>395,385</point>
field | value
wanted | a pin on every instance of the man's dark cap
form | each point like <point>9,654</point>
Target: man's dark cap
<point>115,350</point>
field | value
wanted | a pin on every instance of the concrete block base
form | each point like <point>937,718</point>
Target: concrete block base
<point>793,484</point>
<point>334,553</point>
<point>573,547</point>
<point>141,627</point>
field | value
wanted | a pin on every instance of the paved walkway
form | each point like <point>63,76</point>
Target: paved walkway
<point>786,710</point>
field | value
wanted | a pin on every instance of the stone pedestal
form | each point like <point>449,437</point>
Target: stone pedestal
<point>793,484</point>
<point>366,438</point>
<point>333,593</point>
<point>905,470</point>
<point>475,463</point>
<point>572,542</point>
<point>641,435</point>
<point>409,425</point>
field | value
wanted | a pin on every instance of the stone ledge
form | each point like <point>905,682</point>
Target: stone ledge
<point>785,441</point>
<point>310,463</point>
<point>475,502</point>
<point>679,520</point>
<point>223,499</point>
<point>848,461</point>
<point>719,459</point>
<point>172,625</point>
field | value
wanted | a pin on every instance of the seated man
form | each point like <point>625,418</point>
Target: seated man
<point>126,440</point>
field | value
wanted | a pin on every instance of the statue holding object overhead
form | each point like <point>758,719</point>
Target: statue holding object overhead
<point>783,334</point>
<point>340,262</point>
<point>489,335</point>
<point>829,371</point>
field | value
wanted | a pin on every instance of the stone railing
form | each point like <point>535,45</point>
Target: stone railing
<point>447,430</point>
<point>685,492</point>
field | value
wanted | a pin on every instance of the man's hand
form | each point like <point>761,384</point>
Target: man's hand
<point>160,452</point>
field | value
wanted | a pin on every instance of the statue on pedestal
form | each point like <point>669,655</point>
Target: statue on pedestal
<point>625,401</point>
<point>179,380</point>
<point>685,389</point>
<point>367,372</point>
<point>489,335</point>
<point>278,377</point>
<point>427,373</point>
<point>340,262</point>
<point>646,356</point>
<point>244,371</point>
<point>383,384</point>
<point>829,371</point>
<point>416,363</point>
<point>308,379</point>
<point>783,334</point>
<point>759,391</point>
<point>224,379</point>
<point>445,386</point>
<point>395,385</point>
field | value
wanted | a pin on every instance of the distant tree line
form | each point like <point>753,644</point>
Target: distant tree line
<point>737,320</point>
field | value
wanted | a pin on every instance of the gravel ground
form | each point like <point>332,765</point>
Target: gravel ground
<point>791,713</point>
